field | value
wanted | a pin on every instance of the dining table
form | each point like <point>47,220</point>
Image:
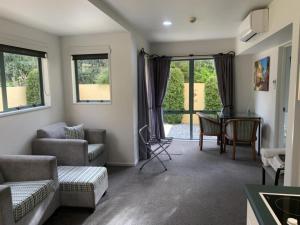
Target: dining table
<point>248,115</point>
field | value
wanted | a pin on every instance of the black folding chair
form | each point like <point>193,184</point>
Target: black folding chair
<point>154,146</point>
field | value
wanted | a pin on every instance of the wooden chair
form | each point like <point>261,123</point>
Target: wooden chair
<point>241,131</point>
<point>208,127</point>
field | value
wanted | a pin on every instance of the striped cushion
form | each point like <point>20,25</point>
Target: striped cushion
<point>28,194</point>
<point>210,128</point>
<point>94,150</point>
<point>244,130</point>
<point>76,132</point>
<point>80,178</point>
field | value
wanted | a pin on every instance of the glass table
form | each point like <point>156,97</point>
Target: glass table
<point>249,115</point>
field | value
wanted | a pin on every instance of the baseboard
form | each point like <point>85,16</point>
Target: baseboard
<point>121,164</point>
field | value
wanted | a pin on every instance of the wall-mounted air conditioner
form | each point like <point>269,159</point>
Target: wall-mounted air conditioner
<point>256,22</point>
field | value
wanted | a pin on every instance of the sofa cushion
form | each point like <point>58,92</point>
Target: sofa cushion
<point>56,130</point>
<point>94,150</point>
<point>28,194</point>
<point>80,178</point>
<point>76,132</point>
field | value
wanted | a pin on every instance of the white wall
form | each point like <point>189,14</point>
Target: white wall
<point>118,118</point>
<point>265,102</point>
<point>243,83</point>
<point>18,130</point>
<point>193,47</point>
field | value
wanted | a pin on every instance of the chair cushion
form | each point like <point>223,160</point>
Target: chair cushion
<point>94,150</point>
<point>52,131</point>
<point>76,132</point>
<point>28,194</point>
<point>80,178</point>
<point>210,128</point>
<point>244,130</point>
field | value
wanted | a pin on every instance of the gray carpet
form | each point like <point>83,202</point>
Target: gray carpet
<point>199,188</point>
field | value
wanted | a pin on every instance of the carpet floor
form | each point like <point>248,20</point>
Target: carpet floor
<point>199,188</point>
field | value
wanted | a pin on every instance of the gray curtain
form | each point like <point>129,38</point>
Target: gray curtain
<point>225,74</point>
<point>143,117</point>
<point>161,77</point>
<point>150,77</point>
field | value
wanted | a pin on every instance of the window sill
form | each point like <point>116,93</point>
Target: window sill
<point>92,103</point>
<point>11,113</point>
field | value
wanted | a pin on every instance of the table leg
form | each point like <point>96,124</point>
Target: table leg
<point>222,144</point>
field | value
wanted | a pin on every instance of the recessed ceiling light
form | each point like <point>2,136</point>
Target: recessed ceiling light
<point>167,23</point>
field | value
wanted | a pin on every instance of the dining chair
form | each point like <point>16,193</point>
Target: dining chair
<point>241,131</point>
<point>208,127</point>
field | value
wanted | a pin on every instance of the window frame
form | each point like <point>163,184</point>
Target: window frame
<point>99,56</point>
<point>26,52</point>
<point>191,111</point>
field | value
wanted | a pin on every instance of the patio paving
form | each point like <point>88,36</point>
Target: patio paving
<point>182,131</point>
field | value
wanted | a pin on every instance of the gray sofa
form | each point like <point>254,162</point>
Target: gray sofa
<point>29,190</point>
<point>71,152</point>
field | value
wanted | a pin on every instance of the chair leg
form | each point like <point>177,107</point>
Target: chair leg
<point>253,150</point>
<point>233,150</point>
<point>224,143</point>
<point>201,141</point>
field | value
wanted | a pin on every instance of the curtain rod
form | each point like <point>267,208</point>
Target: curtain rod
<point>183,56</point>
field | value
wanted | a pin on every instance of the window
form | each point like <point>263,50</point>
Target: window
<point>192,88</point>
<point>21,79</point>
<point>92,78</point>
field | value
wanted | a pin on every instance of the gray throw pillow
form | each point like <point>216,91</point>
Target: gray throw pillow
<point>76,132</point>
<point>1,178</point>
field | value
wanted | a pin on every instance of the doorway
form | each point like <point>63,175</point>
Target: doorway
<point>192,88</point>
<point>283,93</point>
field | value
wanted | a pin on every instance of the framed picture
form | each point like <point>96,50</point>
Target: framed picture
<point>262,74</point>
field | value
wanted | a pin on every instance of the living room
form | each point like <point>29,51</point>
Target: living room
<point>197,185</point>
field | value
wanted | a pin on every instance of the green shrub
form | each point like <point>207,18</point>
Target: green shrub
<point>33,88</point>
<point>174,98</point>
<point>212,98</point>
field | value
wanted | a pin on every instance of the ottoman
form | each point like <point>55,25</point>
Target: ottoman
<point>81,186</point>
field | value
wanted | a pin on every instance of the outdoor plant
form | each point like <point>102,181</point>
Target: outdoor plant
<point>33,88</point>
<point>212,99</point>
<point>174,98</point>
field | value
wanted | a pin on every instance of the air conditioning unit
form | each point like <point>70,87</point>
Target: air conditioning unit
<point>256,22</point>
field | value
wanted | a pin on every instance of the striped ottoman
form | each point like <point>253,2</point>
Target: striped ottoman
<point>82,186</point>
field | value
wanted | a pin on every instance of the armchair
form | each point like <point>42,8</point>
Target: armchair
<point>242,131</point>
<point>208,127</point>
<point>71,152</point>
<point>28,189</point>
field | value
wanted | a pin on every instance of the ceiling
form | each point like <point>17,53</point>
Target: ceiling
<point>61,17</point>
<point>215,18</point>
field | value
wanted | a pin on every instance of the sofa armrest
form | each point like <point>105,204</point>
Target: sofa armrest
<point>6,210</point>
<point>95,136</point>
<point>68,152</point>
<point>28,167</point>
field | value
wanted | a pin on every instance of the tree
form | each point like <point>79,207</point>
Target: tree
<point>212,98</point>
<point>93,71</point>
<point>174,98</point>
<point>33,88</point>
<point>17,68</point>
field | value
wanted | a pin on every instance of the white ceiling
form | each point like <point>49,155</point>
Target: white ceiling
<point>216,18</point>
<point>61,17</point>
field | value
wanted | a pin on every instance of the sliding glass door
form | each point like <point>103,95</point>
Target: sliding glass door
<point>192,88</point>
